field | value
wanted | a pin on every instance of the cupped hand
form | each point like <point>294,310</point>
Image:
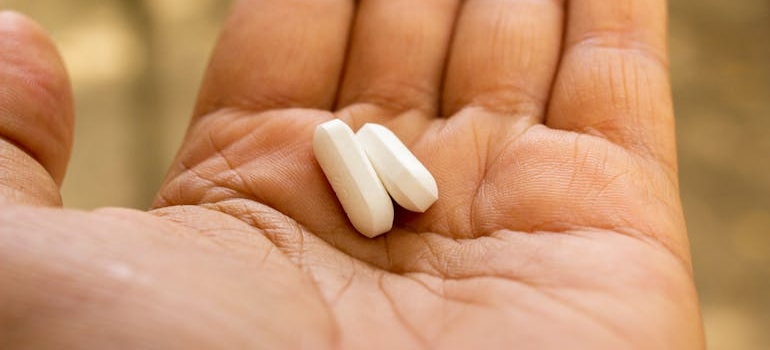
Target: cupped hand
<point>548,126</point>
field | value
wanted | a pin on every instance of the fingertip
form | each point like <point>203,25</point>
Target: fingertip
<point>10,16</point>
<point>36,108</point>
<point>15,24</point>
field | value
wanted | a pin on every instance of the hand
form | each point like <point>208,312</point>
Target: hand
<point>548,126</point>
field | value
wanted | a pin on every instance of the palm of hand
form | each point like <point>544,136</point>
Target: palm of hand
<point>541,237</point>
<point>525,236</point>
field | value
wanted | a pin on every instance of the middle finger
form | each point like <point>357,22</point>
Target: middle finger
<point>396,58</point>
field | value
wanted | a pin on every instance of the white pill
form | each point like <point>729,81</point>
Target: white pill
<point>353,179</point>
<point>408,181</point>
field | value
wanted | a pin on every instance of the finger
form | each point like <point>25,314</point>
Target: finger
<point>397,56</point>
<point>278,54</point>
<point>36,114</point>
<point>613,80</point>
<point>504,56</point>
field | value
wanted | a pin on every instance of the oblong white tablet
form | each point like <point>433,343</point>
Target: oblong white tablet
<point>408,181</point>
<point>353,179</point>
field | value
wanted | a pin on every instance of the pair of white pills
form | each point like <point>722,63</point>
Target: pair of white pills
<point>369,167</point>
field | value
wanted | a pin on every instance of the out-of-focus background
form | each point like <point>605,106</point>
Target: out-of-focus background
<point>136,66</point>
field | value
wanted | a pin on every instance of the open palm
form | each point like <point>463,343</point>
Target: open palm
<point>558,221</point>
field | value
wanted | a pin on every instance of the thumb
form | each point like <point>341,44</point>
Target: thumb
<point>36,114</point>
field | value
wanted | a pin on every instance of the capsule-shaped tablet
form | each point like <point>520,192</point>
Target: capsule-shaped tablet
<point>408,181</point>
<point>355,182</point>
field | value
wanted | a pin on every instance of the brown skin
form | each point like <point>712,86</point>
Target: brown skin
<point>547,125</point>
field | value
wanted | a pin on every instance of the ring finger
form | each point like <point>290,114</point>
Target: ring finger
<point>504,57</point>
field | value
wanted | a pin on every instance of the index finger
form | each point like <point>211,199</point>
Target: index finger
<point>278,54</point>
<point>613,80</point>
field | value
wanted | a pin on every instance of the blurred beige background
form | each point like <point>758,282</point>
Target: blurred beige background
<point>136,65</point>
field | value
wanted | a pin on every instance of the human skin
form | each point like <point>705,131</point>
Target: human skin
<point>548,126</point>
